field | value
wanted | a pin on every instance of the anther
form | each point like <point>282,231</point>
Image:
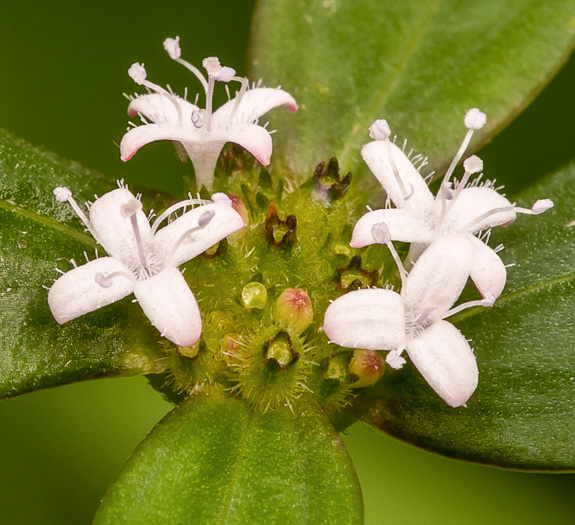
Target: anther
<point>380,130</point>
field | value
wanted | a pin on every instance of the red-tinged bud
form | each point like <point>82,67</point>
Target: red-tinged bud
<point>368,366</point>
<point>294,309</point>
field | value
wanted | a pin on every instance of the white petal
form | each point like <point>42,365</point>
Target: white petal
<point>403,225</point>
<point>203,147</point>
<point>488,271</point>
<point>134,139</point>
<point>369,319</point>
<point>77,292</point>
<point>254,103</point>
<point>224,222</point>
<point>445,360</point>
<point>439,276</point>
<point>171,306</point>
<point>470,208</point>
<point>160,109</point>
<point>412,192</point>
<point>115,230</point>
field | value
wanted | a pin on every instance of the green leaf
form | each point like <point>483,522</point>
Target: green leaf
<point>523,412</point>
<point>421,66</point>
<point>38,235</point>
<point>212,460</point>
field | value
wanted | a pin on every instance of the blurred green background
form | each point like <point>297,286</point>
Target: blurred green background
<point>63,71</point>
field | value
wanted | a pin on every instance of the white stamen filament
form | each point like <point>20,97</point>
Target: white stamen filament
<point>486,302</point>
<point>138,237</point>
<point>196,72</point>
<point>203,221</point>
<point>67,196</point>
<point>396,172</point>
<point>381,235</point>
<point>105,281</point>
<point>188,202</point>
<point>239,95</point>
<point>458,155</point>
<point>143,81</point>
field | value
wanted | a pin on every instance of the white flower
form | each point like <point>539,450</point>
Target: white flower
<point>421,218</point>
<point>200,134</point>
<point>142,261</point>
<point>413,320</point>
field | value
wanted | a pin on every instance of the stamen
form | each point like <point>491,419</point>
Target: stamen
<point>105,281</point>
<point>239,95</point>
<point>65,195</point>
<point>381,235</point>
<point>470,226</point>
<point>396,173</point>
<point>474,120</point>
<point>380,130</point>
<point>538,207</point>
<point>131,209</point>
<point>486,302</point>
<point>174,208</point>
<point>203,221</point>
<point>138,74</point>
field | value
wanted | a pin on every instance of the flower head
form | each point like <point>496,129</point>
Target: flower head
<point>413,320</point>
<point>419,217</point>
<point>200,134</point>
<point>142,260</point>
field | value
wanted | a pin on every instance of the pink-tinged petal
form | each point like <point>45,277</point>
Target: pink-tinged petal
<point>134,139</point>
<point>439,276</point>
<point>110,219</point>
<point>78,292</point>
<point>369,319</point>
<point>160,109</point>
<point>402,182</point>
<point>446,361</point>
<point>488,271</point>
<point>403,225</point>
<point>171,306</point>
<point>254,103</point>
<point>472,210</point>
<point>225,221</point>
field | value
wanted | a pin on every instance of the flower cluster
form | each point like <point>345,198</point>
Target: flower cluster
<point>448,235</point>
<point>444,253</point>
<point>143,260</point>
<point>200,134</point>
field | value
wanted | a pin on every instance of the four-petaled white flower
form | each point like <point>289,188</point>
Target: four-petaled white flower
<point>143,260</point>
<point>413,320</point>
<point>200,134</point>
<point>419,217</point>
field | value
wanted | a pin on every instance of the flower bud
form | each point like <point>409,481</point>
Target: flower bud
<point>294,309</point>
<point>368,366</point>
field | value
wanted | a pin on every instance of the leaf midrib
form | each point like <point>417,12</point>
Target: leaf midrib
<point>236,472</point>
<point>48,222</point>
<point>394,80</point>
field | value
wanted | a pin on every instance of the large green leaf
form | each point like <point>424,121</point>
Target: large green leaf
<point>212,460</point>
<point>523,412</point>
<point>38,235</point>
<point>419,65</point>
